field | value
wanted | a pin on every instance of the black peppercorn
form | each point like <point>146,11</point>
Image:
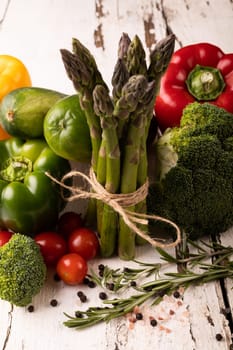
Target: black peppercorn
<point>91,284</point>
<point>101,267</point>
<point>133,283</point>
<point>56,278</point>
<point>139,316</point>
<point>82,296</point>
<point>86,280</point>
<point>30,308</point>
<point>153,322</point>
<point>110,286</point>
<point>102,295</point>
<point>219,337</point>
<point>149,289</point>
<point>126,269</point>
<point>176,294</point>
<point>101,273</point>
<point>161,293</point>
<point>53,302</point>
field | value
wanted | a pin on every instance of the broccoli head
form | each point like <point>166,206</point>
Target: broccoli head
<point>194,177</point>
<point>22,270</point>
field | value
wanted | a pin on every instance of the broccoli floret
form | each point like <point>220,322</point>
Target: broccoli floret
<point>22,270</point>
<point>193,181</point>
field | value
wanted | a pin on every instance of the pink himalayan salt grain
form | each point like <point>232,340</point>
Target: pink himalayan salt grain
<point>166,329</point>
<point>136,310</point>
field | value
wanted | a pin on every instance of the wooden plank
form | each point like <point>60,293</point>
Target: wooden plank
<point>197,316</point>
<point>227,307</point>
<point>198,21</point>
<point>6,315</point>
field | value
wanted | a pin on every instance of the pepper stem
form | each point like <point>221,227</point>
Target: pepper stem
<point>205,83</point>
<point>16,168</point>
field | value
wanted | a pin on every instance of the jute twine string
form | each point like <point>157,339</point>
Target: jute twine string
<point>118,202</point>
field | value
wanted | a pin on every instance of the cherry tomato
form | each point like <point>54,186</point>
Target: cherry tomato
<point>84,241</point>
<point>72,268</point>
<point>5,236</point>
<point>68,222</point>
<point>52,246</point>
<point>14,75</point>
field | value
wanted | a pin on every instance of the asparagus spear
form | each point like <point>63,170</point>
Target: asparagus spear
<point>82,70</point>
<point>136,58</point>
<point>103,107</point>
<point>131,160</point>
<point>119,78</point>
<point>142,174</point>
<point>120,72</point>
<point>159,60</point>
<point>101,178</point>
<point>127,103</point>
<point>123,46</point>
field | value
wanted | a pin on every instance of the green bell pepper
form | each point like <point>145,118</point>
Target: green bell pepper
<point>29,201</point>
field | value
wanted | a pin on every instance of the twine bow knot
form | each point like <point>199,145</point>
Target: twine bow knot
<point>118,202</point>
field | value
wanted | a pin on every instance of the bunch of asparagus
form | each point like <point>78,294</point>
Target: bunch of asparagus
<point>119,124</point>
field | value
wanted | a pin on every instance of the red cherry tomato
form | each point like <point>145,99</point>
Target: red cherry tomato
<point>84,241</point>
<point>68,222</point>
<point>72,268</point>
<point>5,236</point>
<point>52,246</point>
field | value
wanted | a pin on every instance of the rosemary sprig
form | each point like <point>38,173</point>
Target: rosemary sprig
<point>204,251</point>
<point>118,279</point>
<point>154,290</point>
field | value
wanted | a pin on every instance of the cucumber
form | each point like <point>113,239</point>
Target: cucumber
<point>22,111</point>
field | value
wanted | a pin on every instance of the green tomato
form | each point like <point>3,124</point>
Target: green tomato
<point>66,130</point>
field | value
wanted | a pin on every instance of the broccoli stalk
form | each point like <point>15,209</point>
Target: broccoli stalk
<point>22,270</point>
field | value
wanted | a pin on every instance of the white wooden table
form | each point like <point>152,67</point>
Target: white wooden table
<point>35,31</point>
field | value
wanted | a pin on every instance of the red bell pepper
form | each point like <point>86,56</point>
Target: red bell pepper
<point>199,72</point>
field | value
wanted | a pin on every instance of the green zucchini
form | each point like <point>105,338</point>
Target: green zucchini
<point>22,111</point>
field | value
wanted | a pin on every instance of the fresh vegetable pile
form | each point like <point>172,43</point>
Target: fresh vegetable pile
<point>119,126</point>
<point>191,187</point>
<point>30,203</point>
